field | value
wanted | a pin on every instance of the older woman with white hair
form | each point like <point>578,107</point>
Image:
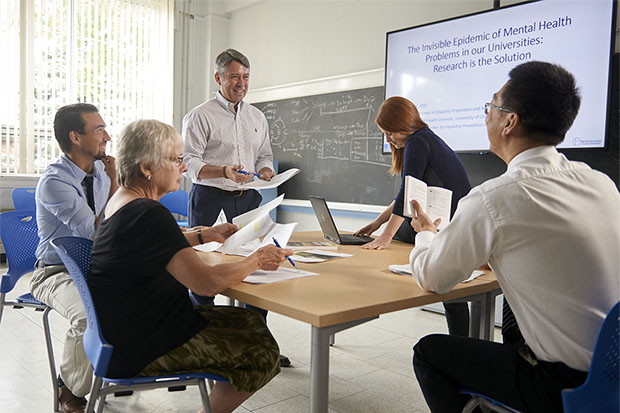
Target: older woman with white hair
<point>142,266</point>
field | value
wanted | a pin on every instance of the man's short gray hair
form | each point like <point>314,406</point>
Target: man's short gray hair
<point>145,141</point>
<point>227,56</point>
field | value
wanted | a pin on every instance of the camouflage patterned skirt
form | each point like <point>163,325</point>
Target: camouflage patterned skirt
<point>236,345</point>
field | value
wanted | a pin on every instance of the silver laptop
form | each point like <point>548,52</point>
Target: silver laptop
<point>328,226</point>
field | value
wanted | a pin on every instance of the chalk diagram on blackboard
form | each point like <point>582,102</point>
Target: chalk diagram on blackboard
<point>333,139</point>
<point>341,128</point>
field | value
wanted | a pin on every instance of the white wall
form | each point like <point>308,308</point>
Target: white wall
<point>293,41</point>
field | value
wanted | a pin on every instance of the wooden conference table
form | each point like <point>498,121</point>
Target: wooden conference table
<point>351,291</point>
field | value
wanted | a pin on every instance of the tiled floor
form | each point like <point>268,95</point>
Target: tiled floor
<point>370,367</point>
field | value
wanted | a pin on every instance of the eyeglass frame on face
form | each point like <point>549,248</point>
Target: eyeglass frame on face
<point>178,161</point>
<point>489,105</point>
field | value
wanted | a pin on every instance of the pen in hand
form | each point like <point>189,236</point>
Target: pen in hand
<point>275,241</point>
<point>241,171</point>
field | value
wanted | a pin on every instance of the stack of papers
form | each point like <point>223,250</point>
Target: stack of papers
<point>281,274</point>
<point>274,183</point>
<point>316,255</point>
<point>405,269</point>
<point>253,225</point>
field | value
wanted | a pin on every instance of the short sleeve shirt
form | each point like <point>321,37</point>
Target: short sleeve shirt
<point>144,312</point>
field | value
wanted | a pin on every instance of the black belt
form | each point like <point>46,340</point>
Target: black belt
<point>236,194</point>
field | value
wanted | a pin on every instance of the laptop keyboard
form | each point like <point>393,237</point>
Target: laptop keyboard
<point>353,239</point>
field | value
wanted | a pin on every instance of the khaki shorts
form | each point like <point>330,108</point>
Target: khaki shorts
<point>236,345</point>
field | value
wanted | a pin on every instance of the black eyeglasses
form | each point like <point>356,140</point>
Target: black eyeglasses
<point>488,106</point>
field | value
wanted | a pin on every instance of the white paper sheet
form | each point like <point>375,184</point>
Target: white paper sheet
<point>405,269</point>
<point>281,274</point>
<point>319,255</point>
<point>247,217</point>
<point>276,181</point>
<point>213,245</point>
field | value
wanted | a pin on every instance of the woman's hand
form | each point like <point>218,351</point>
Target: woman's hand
<point>368,229</point>
<point>270,257</point>
<point>218,233</point>
<point>379,243</point>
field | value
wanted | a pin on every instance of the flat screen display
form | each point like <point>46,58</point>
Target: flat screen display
<point>449,69</point>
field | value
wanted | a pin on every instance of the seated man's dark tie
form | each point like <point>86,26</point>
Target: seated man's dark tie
<point>90,197</point>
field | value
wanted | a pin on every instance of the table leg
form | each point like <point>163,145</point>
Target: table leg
<point>319,363</point>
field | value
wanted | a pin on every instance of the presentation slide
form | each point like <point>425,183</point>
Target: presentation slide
<point>450,69</point>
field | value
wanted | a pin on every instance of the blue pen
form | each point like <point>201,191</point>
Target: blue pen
<point>241,171</point>
<point>275,241</point>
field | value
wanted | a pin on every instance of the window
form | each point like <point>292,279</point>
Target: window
<point>115,54</point>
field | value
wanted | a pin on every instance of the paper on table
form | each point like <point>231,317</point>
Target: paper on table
<point>213,245</point>
<point>281,274</point>
<point>274,183</point>
<point>317,255</point>
<point>405,269</point>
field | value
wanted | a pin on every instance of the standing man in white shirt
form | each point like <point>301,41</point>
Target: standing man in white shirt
<point>548,227</point>
<point>222,137</point>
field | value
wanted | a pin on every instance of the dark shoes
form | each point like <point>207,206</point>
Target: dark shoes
<point>284,361</point>
<point>69,403</point>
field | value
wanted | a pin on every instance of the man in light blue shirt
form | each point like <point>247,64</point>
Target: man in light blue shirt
<point>70,197</point>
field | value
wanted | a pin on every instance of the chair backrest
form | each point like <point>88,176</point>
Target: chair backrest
<point>19,233</point>
<point>75,254</point>
<point>601,391</point>
<point>176,202</point>
<point>23,198</point>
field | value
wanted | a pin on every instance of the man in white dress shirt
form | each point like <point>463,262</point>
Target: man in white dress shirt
<point>223,136</point>
<point>548,227</point>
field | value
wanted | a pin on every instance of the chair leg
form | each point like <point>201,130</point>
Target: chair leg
<point>210,383</point>
<point>50,355</point>
<point>2,296</point>
<point>206,405</point>
<point>94,394</point>
<point>471,405</point>
<point>102,401</point>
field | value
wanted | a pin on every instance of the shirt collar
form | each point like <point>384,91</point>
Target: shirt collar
<point>227,104</point>
<point>76,170</point>
<point>542,151</point>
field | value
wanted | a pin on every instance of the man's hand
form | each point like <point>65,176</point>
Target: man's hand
<point>109,165</point>
<point>266,173</point>
<point>218,233</point>
<point>422,222</point>
<point>230,172</point>
<point>270,257</point>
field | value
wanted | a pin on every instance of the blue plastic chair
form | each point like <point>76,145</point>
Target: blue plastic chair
<point>23,199</point>
<point>75,254</point>
<point>176,202</point>
<point>601,390</point>
<point>18,230</point>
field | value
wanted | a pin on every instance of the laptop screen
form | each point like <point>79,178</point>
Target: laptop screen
<point>325,218</point>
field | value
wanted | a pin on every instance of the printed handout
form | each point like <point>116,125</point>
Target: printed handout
<point>405,269</point>
<point>276,181</point>
<point>281,274</point>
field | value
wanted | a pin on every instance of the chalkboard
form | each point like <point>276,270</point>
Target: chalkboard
<point>334,141</point>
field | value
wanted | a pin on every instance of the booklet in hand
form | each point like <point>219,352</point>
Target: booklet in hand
<point>435,201</point>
